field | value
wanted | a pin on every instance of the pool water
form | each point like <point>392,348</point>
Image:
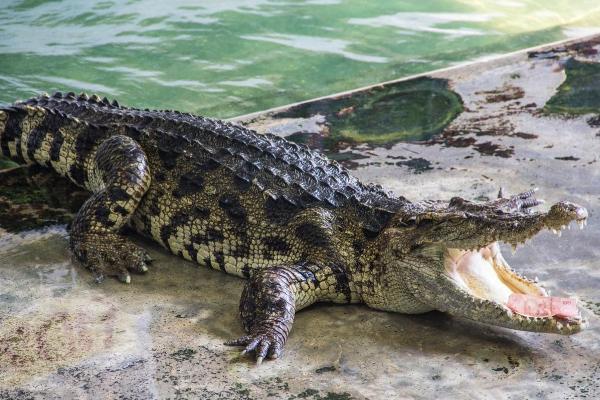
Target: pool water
<point>230,57</point>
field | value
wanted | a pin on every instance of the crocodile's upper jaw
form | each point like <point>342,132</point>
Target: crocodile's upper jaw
<point>485,277</point>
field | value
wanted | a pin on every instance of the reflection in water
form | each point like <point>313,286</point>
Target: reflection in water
<point>229,57</point>
<point>410,22</point>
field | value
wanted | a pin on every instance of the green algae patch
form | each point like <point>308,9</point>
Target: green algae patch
<point>31,197</point>
<point>413,110</point>
<point>580,92</point>
<point>5,163</point>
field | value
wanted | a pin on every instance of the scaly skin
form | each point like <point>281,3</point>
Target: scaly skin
<point>299,227</point>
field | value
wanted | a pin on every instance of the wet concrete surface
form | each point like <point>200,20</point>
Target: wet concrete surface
<point>63,336</point>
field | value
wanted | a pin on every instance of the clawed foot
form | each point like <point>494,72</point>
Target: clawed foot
<point>267,308</point>
<point>110,254</point>
<point>558,217</point>
<point>522,202</point>
<point>262,342</point>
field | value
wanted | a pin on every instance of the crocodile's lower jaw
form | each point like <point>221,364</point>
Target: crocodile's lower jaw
<point>486,276</point>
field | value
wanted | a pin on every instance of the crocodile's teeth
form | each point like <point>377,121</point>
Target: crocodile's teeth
<point>559,233</point>
<point>554,231</point>
<point>581,224</point>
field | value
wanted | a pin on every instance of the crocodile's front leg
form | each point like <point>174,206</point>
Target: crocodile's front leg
<point>119,176</point>
<point>272,296</point>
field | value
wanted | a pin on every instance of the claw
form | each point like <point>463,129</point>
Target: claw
<point>252,345</point>
<point>263,345</point>
<point>125,277</point>
<point>275,351</point>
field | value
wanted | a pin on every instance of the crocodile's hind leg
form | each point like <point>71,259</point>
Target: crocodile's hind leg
<point>271,298</point>
<point>119,176</point>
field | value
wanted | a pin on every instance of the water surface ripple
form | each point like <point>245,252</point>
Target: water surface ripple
<point>230,57</point>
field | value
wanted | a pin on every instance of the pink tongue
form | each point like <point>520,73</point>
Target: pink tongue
<point>542,306</point>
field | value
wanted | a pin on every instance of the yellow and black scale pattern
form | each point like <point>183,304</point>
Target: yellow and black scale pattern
<point>258,206</point>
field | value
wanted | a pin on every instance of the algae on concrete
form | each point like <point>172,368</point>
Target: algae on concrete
<point>31,198</point>
<point>580,92</point>
<point>411,110</point>
<point>5,163</point>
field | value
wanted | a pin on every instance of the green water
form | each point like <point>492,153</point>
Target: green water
<point>231,57</point>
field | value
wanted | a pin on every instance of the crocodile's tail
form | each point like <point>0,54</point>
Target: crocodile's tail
<point>31,133</point>
<point>17,123</point>
<point>7,136</point>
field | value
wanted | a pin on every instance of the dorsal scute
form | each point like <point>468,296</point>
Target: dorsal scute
<point>289,170</point>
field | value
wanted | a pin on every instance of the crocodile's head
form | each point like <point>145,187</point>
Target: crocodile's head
<point>453,261</point>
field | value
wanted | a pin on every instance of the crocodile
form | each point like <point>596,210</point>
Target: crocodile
<point>300,228</point>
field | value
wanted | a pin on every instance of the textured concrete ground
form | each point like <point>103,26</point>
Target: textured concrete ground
<point>522,121</point>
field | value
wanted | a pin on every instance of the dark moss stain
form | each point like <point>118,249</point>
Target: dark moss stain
<point>5,163</point>
<point>31,198</point>
<point>527,136</point>
<point>241,390</point>
<point>459,142</point>
<point>307,393</point>
<point>493,149</point>
<point>594,122</point>
<point>417,165</point>
<point>347,158</point>
<point>505,93</point>
<point>22,195</point>
<point>584,49</point>
<point>183,354</point>
<point>567,158</point>
<point>553,54</point>
<point>580,92</point>
<point>329,368</point>
<point>413,110</point>
<point>313,394</point>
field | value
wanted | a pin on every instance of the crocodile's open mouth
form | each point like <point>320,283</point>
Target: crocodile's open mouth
<point>486,277</point>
